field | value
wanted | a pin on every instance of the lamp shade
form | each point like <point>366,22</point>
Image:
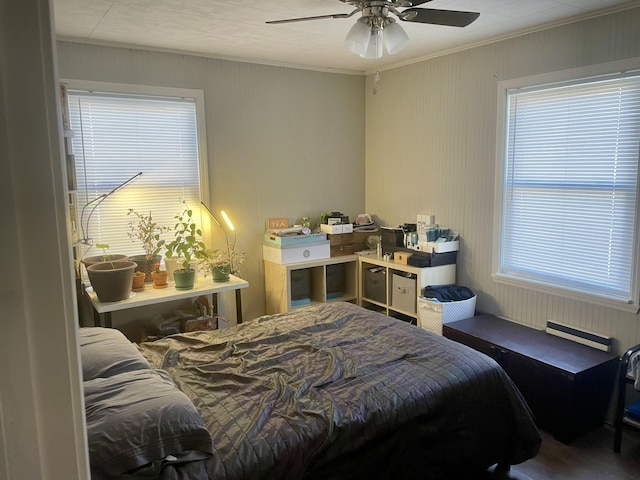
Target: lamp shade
<point>357,40</point>
<point>395,38</point>
<point>374,49</point>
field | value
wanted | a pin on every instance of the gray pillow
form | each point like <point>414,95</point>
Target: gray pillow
<point>106,351</point>
<point>136,418</point>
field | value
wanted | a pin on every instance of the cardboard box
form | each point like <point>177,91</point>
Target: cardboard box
<point>277,241</point>
<point>401,257</point>
<point>340,238</point>
<point>337,228</point>
<point>296,253</point>
<point>339,250</point>
<point>362,237</point>
<point>403,293</point>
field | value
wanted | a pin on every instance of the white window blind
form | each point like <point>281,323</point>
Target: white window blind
<point>116,136</point>
<point>570,186</point>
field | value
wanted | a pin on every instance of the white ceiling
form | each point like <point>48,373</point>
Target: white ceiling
<point>236,29</point>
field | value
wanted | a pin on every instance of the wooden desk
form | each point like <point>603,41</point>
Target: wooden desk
<point>152,296</point>
<point>567,385</point>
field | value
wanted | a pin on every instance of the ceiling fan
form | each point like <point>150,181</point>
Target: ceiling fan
<point>376,27</point>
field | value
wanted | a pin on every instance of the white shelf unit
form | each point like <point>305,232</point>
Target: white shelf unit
<point>438,275</point>
<point>72,196</point>
<point>278,282</point>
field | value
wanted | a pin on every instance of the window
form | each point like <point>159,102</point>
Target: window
<point>118,133</point>
<point>567,198</point>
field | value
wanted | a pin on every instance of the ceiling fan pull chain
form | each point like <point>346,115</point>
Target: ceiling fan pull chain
<point>376,79</point>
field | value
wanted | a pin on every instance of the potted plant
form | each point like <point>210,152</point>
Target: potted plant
<point>111,279</point>
<point>142,228</point>
<point>159,277</point>
<point>138,281</point>
<point>221,263</point>
<point>187,245</point>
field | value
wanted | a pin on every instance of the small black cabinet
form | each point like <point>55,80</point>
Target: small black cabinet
<point>567,385</point>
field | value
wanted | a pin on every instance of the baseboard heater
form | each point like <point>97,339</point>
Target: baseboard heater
<point>584,337</point>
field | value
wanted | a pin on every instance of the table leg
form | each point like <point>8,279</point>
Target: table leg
<point>238,306</point>
<point>214,304</point>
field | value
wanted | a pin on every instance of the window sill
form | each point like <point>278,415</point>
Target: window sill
<point>566,293</point>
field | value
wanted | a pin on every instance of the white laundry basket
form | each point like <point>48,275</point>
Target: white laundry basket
<point>432,314</point>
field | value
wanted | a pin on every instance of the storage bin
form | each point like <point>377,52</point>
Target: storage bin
<point>375,284</point>
<point>403,295</point>
<point>432,314</point>
<point>300,287</point>
<point>335,280</point>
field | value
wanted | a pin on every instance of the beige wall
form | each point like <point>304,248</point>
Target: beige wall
<point>281,142</point>
<point>441,158</point>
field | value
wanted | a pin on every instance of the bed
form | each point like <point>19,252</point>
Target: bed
<point>332,391</point>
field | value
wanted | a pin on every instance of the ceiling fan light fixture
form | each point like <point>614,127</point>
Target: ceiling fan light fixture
<point>395,38</point>
<point>358,38</point>
<point>374,49</point>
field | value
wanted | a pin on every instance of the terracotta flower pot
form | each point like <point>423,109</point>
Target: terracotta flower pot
<point>159,279</point>
<point>138,281</point>
<point>112,280</point>
<point>146,265</point>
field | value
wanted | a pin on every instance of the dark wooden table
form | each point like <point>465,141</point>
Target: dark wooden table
<point>567,385</point>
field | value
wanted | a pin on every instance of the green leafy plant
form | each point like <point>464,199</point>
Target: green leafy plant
<point>187,242</point>
<point>148,232</point>
<point>105,256</point>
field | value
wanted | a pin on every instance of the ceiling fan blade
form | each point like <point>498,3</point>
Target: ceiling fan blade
<point>415,3</point>
<point>396,3</point>
<point>449,18</point>
<point>317,17</point>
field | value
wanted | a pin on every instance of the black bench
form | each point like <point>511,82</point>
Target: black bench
<point>567,385</point>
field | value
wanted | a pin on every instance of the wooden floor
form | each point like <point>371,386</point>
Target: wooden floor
<point>587,457</point>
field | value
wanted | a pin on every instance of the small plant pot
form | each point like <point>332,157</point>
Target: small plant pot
<point>185,279</point>
<point>175,263</point>
<point>220,274</point>
<point>159,279</point>
<point>146,265</point>
<point>112,280</point>
<point>138,281</point>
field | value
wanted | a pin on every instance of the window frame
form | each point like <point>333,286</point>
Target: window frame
<point>575,75</point>
<point>169,92</point>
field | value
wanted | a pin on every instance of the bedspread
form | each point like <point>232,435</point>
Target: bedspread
<point>338,391</point>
